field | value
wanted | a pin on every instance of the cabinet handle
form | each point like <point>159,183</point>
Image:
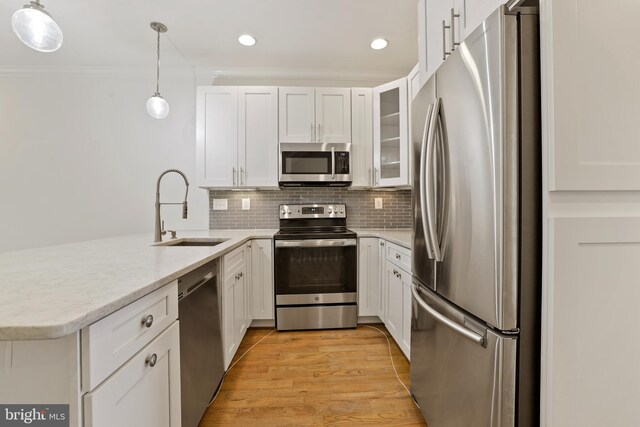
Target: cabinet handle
<point>319,134</point>
<point>381,244</point>
<point>370,176</point>
<point>376,179</point>
<point>151,360</point>
<point>397,256</point>
<point>147,321</point>
<point>445,53</point>
<point>452,31</point>
<point>395,272</point>
<point>313,134</point>
<point>241,174</point>
<point>234,176</point>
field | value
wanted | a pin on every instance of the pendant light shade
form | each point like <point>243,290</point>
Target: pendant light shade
<point>157,106</point>
<point>35,28</point>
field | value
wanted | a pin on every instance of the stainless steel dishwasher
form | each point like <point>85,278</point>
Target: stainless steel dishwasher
<point>201,353</point>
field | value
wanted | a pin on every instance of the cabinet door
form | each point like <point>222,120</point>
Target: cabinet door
<point>390,134</point>
<point>248,290</point>
<point>262,279</point>
<point>239,316</point>
<point>383,303</point>
<point>405,344</point>
<point>228,320</point>
<point>434,39</point>
<point>138,394</point>
<point>217,136</point>
<point>296,114</point>
<point>394,302</point>
<point>592,294</point>
<point>258,136</point>
<point>362,137</point>
<point>368,276</point>
<point>591,106</point>
<point>333,115</point>
<point>473,13</point>
<point>414,85</point>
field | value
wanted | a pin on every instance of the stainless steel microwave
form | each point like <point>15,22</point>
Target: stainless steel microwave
<point>315,164</point>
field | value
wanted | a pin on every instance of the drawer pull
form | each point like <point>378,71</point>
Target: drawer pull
<point>397,256</point>
<point>151,360</point>
<point>147,321</point>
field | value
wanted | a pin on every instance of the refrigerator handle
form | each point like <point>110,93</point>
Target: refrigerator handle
<point>431,209</point>
<point>423,181</point>
<point>467,333</point>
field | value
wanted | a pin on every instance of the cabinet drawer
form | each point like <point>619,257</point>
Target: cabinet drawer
<point>145,392</point>
<point>110,342</point>
<point>234,261</point>
<point>399,256</point>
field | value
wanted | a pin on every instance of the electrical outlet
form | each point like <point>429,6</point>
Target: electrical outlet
<point>220,204</point>
<point>378,202</point>
<point>246,204</point>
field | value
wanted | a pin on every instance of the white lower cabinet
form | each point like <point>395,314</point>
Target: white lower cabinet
<point>394,301</point>
<point>384,287</point>
<point>368,276</point>
<point>262,279</point>
<point>234,309</point>
<point>144,392</point>
<point>382,292</point>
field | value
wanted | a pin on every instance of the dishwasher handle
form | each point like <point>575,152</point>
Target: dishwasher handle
<point>208,277</point>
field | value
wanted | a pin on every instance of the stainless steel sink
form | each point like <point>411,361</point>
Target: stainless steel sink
<point>192,242</point>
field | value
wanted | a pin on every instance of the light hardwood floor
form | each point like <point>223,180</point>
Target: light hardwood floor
<point>315,378</point>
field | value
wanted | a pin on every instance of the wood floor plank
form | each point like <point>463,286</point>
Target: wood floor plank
<point>315,378</point>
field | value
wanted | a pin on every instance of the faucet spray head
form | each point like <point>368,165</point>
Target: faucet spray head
<point>184,210</point>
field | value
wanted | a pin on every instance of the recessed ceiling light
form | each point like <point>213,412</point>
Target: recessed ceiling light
<point>246,40</point>
<point>378,44</point>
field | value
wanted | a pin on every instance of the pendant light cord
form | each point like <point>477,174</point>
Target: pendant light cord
<point>158,66</point>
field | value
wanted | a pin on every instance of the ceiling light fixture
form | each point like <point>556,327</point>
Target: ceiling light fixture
<point>378,44</point>
<point>247,40</point>
<point>157,106</point>
<point>35,28</point>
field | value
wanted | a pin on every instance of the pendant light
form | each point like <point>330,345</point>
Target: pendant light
<point>35,28</point>
<point>157,106</point>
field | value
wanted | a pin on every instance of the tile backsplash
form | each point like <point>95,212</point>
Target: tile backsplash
<point>395,212</point>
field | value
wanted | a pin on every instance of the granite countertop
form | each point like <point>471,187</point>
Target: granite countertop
<point>401,236</point>
<point>55,291</point>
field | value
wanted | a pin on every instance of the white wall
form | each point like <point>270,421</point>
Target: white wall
<point>79,156</point>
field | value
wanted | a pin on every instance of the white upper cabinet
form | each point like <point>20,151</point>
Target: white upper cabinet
<point>390,134</point>
<point>258,136</point>
<point>297,114</point>
<point>590,62</point>
<point>362,137</point>
<point>217,136</point>
<point>333,115</point>
<point>315,114</point>
<point>443,25</point>
<point>237,136</point>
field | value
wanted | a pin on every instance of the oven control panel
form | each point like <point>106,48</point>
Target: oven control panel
<point>333,210</point>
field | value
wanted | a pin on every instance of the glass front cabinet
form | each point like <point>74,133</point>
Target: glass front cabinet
<point>390,135</point>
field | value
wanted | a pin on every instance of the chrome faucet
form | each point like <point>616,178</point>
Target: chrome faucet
<point>159,231</point>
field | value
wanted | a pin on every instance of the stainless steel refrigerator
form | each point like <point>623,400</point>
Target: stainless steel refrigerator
<point>477,230</point>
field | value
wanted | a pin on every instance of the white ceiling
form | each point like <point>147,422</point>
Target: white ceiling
<point>298,34</point>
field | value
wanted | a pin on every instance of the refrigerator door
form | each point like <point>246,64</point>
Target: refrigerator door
<point>475,144</point>
<point>466,375</point>
<point>422,254</point>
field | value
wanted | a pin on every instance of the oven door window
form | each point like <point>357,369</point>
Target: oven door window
<point>306,163</point>
<point>321,270</point>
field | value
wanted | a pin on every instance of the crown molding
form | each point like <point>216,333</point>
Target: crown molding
<point>91,71</point>
<point>205,73</point>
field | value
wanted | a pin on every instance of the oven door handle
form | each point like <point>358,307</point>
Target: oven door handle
<point>315,243</point>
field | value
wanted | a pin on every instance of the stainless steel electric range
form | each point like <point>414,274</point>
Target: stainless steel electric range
<point>316,269</point>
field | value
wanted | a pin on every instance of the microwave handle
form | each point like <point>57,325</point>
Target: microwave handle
<point>333,163</point>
